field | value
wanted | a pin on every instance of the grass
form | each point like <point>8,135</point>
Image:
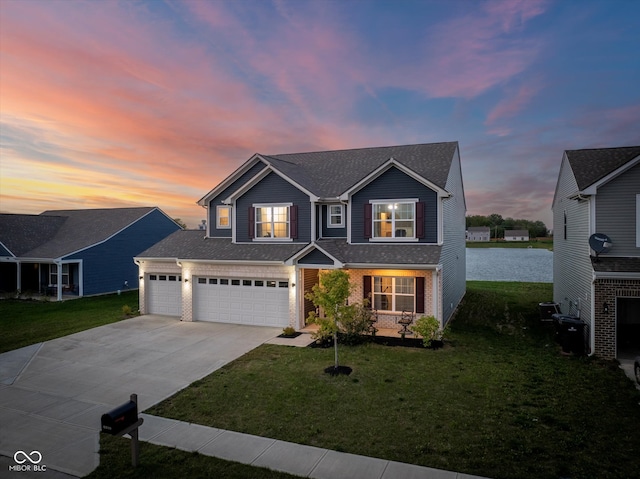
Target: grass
<point>26,322</point>
<point>498,401</point>
<point>160,462</point>
<point>541,243</point>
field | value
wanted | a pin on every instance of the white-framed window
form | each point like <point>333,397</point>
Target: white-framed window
<point>223,217</point>
<point>272,221</point>
<point>394,293</point>
<point>335,216</point>
<point>53,274</point>
<point>394,219</point>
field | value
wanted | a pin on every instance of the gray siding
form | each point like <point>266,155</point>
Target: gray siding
<point>616,212</point>
<point>332,232</point>
<point>224,194</point>
<point>315,257</point>
<point>394,184</point>
<point>273,189</point>
<point>572,271</point>
<point>453,256</point>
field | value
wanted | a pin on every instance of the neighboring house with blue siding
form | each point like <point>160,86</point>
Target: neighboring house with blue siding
<point>598,192</point>
<point>77,252</point>
<point>392,217</point>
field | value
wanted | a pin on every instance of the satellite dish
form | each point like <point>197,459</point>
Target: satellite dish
<point>600,243</point>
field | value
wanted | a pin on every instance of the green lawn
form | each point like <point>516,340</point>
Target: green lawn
<point>25,322</point>
<point>498,401</point>
<point>164,462</point>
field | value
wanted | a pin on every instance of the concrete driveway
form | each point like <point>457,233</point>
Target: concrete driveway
<point>53,394</point>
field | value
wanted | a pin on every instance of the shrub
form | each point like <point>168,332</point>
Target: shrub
<point>126,310</point>
<point>289,331</point>
<point>354,322</point>
<point>429,328</point>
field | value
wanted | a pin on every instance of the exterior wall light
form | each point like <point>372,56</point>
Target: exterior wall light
<point>605,308</point>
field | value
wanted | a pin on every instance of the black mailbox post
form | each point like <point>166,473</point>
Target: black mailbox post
<point>124,420</point>
<point>120,418</point>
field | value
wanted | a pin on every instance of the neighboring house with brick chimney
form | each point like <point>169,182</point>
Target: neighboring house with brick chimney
<point>598,193</point>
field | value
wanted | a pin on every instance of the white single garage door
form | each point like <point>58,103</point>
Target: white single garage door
<point>164,294</point>
<point>259,302</point>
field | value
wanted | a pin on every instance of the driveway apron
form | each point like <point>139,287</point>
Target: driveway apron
<point>52,395</point>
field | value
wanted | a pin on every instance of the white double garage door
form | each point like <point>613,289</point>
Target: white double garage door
<point>263,302</point>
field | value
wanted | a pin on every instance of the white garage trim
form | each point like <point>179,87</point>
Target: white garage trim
<point>224,299</point>
<point>164,293</point>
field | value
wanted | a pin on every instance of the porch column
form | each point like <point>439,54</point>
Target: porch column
<point>59,280</point>
<point>80,280</point>
<point>19,276</point>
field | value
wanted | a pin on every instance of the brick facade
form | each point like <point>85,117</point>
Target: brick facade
<point>390,320</point>
<point>608,291</point>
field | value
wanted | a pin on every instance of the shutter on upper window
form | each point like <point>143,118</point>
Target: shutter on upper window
<point>368,211</point>
<point>293,221</point>
<point>366,288</point>
<point>420,219</point>
<point>252,222</point>
<point>420,306</point>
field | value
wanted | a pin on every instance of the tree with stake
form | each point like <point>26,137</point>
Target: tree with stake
<point>331,294</point>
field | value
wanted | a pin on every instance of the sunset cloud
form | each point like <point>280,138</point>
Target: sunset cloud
<point>153,103</point>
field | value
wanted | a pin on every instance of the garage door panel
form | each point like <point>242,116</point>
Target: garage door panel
<point>243,301</point>
<point>163,294</point>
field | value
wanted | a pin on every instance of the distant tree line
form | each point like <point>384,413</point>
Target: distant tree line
<point>498,225</point>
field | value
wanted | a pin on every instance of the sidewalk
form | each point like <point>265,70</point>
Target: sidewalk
<point>305,461</point>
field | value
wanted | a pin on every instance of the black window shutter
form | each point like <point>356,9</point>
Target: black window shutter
<point>420,295</point>
<point>420,219</point>
<point>368,210</point>
<point>366,288</point>
<point>293,221</point>
<point>252,222</point>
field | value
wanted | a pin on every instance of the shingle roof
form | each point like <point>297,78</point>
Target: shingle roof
<point>516,233</point>
<point>479,229</point>
<point>592,165</point>
<point>23,233</point>
<point>607,264</point>
<point>401,254</point>
<point>328,174</point>
<point>192,244</point>
<point>57,233</point>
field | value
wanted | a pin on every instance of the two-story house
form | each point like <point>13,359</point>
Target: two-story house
<point>598,193</point>
<point>393,217</point>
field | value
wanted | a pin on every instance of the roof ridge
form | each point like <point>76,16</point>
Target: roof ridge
<point>359,149</point>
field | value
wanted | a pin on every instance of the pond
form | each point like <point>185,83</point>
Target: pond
<point>510,264</point>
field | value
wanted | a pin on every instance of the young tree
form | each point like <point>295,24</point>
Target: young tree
<point>331,294</point>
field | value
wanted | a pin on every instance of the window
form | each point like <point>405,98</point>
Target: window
<point>223,215</point>
<point>272,222</point>
<point>335,216</point>
<point>393,294</point>
<point>396,219</point>
<point>53,274</point>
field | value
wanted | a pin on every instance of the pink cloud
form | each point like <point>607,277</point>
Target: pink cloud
<point>512,103</point>
<point>468,55</point>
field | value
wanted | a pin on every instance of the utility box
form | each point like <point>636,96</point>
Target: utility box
<point>547,310</point>
<point>570,333</point>
<point>120,418</point>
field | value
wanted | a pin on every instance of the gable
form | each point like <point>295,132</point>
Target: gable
<point>394,184</point>
<point>315,257</point>
<point>591,165</point>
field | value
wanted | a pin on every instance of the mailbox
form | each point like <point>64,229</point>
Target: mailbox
<point>120,418</point>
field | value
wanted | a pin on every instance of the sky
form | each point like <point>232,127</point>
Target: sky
<point>153,103</point>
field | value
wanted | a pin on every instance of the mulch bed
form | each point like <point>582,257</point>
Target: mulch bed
<point>385,341</point>
<point>290,336</point>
